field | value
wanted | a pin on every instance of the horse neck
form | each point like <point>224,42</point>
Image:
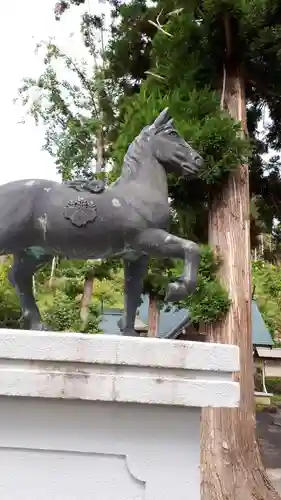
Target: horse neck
<point>147,172</point>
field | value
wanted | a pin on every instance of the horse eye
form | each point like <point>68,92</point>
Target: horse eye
<point>173,133</point>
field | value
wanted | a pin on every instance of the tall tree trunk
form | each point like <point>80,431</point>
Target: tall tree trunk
<point>153,316</point>
<point>86,298</point>
<point>230,459</point>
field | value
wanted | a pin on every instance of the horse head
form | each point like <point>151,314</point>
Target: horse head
<point>162,142</point>
<point>170,149</point>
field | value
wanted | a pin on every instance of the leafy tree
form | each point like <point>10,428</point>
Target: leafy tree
<point>71,111</point>
<point>86,271</point>
<point>10,312</point>
<point>62,5</point>
<point>63,314</point>
<point>267,290</point>
<point>264,176</point>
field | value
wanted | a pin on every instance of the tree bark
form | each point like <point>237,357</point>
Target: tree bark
<point>86,298</point>
<point>153,316</point>
<point>230,459</point>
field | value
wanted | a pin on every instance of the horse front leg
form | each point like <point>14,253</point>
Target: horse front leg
<point>134,271</point>
<point>159,243</point>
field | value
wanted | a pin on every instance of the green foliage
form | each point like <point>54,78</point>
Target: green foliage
<point>78,268</point>
<point>130,44</point>
<point>208,264</point>
<point>273,385</point>
<point>192,58</point>
<point>110,293</point>
<point>70,129</point>
<point>76,113</point>
<point>193,102</point>
<point>267,282</point>
<point>157,278</point>
<point>61,309</point>
<point>197,117</point>
<point>64,314</point>
<point>210,302</point>
<point>62,5</point>
<point>10,312</point>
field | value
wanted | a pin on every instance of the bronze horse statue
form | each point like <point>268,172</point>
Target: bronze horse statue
<point>130,219</point>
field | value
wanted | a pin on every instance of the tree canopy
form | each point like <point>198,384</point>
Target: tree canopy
<point>184,66</point>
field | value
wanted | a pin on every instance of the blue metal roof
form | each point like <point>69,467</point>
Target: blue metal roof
<point>169,322</point>
<point>260,333</point>
<point>109,319</point>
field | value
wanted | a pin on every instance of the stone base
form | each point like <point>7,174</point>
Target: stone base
<point>106,418</point>
<point>68,450</point>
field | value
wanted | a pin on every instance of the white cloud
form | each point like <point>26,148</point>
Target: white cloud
<point>22,25</point>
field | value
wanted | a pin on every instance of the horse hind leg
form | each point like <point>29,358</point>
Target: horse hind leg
<point>24,266</point>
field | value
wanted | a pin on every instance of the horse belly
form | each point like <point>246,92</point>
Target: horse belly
<point>88,242</point>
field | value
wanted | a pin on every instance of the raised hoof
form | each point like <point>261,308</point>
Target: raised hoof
<point>178,290</point>
<point>120,324</point>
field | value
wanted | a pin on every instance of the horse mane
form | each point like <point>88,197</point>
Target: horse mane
<point>137,147</point>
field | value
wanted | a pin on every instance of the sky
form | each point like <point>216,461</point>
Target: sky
<point>22,25</point>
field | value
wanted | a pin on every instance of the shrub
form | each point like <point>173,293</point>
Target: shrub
<point>63,314</point>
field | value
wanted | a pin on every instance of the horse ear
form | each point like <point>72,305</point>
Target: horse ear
<point>162,119</point>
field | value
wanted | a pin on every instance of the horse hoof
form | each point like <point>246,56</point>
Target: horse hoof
<point>175,292</point>
<point>128,332</point>
<point>178,290</point>
<point>121,324</point>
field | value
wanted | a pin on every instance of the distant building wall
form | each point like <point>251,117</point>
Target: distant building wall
<point>273,368</point>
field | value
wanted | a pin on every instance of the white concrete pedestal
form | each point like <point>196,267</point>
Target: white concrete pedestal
<point>95,417</point>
